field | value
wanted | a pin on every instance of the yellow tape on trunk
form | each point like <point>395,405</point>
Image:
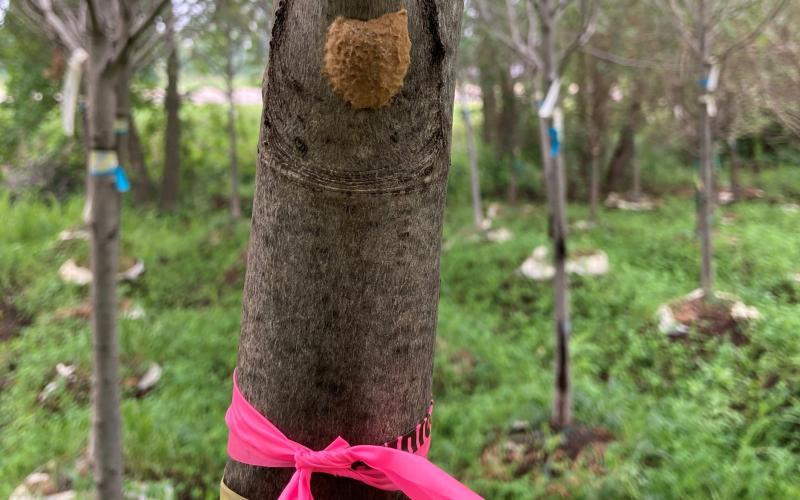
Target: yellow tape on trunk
<point>102,161</point>
<point>226,493</point>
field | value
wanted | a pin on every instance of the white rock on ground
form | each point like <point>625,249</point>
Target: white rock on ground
<point>743,312</point>
<point>594,264</point>
<point>614,200</point>
<point>493,211</point>
<point>73,234</point>
<point>64,375</point>
<point>499,235</point>
<point>791,208</point>
<point>71,272</point>
<point>150,378</point>
<point>536,266</point>
<point>133,272</point>
<point>37,486</point>
<point>668,325</point>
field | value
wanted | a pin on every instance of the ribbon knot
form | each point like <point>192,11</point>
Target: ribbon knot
<point>254,440</point>
<point>333,457</point>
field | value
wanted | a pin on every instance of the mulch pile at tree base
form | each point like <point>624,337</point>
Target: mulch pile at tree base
<point>523,450</point>
<point>628,202</point>
<point>726,196</point>
<point>12,320</point>
<point>720,316</point>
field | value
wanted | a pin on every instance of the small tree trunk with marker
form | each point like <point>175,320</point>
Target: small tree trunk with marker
<point>706,168</point>
<point>339,312</point>
<point>103,223</point>
<point>553,162</point>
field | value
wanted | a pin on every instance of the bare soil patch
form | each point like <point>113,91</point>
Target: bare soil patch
<point>12,320</point>
<point>522,450</point>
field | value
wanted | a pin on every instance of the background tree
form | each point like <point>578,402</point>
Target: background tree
<point>172,105</point>
<point>714,31</point>
<point>234,36</point>
<point>108,37</point>
<point>535,37</point>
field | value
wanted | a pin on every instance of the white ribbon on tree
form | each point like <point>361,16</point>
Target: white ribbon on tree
<point>72,82</point>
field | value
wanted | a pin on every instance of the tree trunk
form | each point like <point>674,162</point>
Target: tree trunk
<point>474,179</point>
<point>637,177</point>
<point>172,138</point>
<point>736,187</point>
<point>625,150</point>
<point>138,166</point>
<point>339,313</point>
<point>506,132</point>
<point>235,201</point>
<point>594,187</point>
<point>104,226</point>
<point>593,102</point>
<point>707,170</point>
<point>129,148</point>
<point>486,80</point>
<point>556,194</point>
<point>512,195</point>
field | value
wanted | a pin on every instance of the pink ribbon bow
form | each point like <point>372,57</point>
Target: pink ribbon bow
<point>254,440</point>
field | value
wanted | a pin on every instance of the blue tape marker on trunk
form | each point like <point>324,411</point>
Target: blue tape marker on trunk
<point>120,179</point>
<point>555,144</point>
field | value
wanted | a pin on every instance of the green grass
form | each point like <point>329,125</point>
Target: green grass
<point>714,421</point>
<point>721,422</point>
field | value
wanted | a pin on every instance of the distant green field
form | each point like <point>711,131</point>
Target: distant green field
<point>706,421</point>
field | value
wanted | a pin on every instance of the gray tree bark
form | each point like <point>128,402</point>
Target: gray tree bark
<point>340,301</point>
<point>172,137</point>
<point>104,227</point>
<point>556,194</point>
<point>706,197</point>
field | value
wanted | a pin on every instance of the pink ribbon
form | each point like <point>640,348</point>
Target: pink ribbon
<point>254,440</point>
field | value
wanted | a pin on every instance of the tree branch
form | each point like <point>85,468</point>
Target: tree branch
<point>65,35</point>
<point>588,27</point>
<point>93,16</point>
<point>744,41</point>
<point>678,22</point>
<point>140,28</point>
<point>626,61</point>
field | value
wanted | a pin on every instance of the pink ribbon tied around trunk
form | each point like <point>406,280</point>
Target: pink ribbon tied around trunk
<point>254,440</point>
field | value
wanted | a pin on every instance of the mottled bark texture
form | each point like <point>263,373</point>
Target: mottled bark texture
<point>339,313</point>
<point>103,223</point>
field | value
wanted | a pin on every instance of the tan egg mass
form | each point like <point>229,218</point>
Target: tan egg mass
<point>367,61</point>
